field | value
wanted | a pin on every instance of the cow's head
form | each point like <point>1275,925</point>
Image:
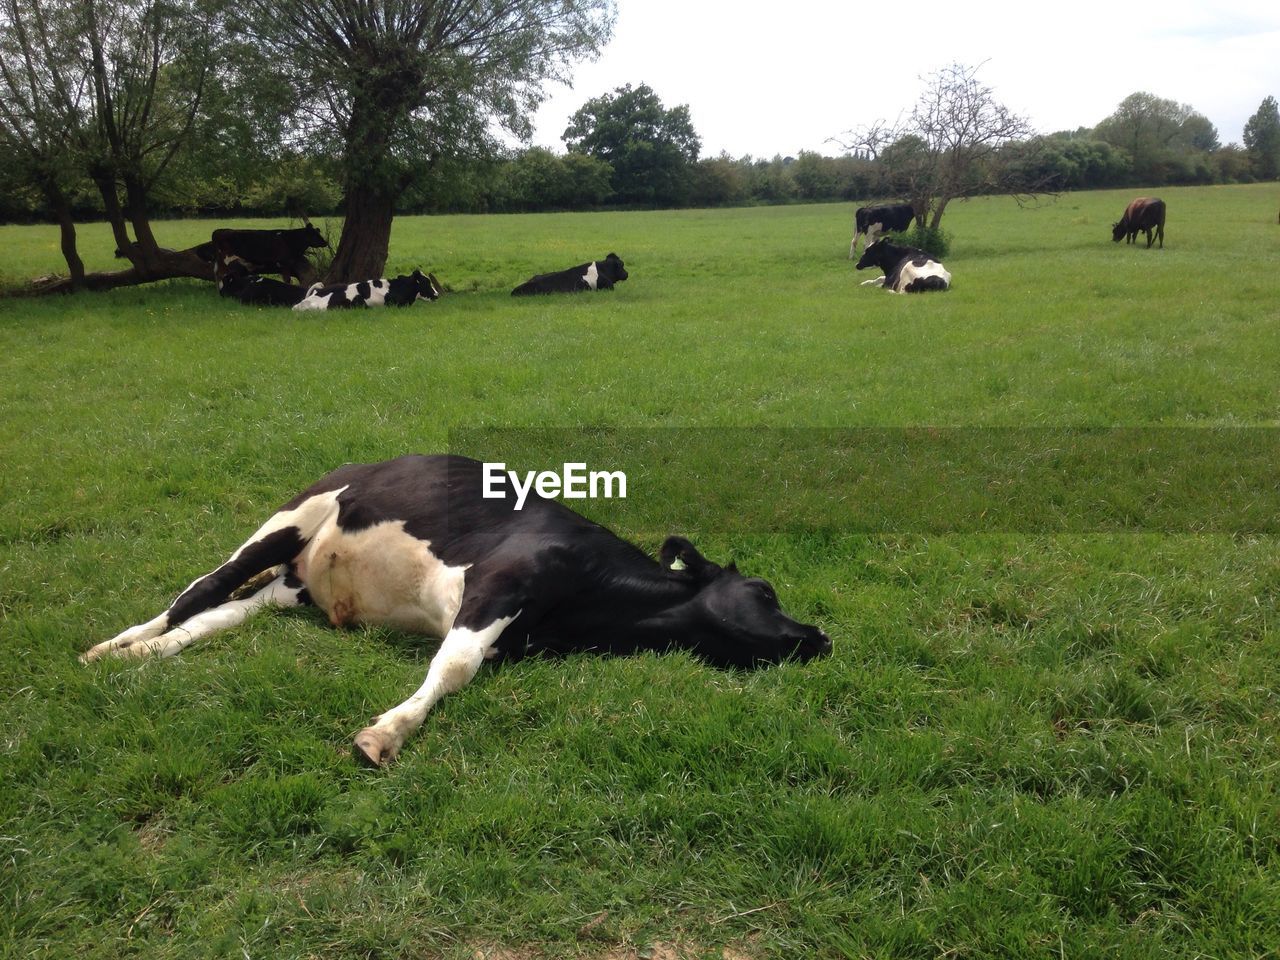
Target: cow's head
<point>312,236</point>
<point>611,267</point>
<point>228,272</point>
<point>426,286</point>
<point>873,255</point>
<point>733,620</point>
<point>1118,231</point>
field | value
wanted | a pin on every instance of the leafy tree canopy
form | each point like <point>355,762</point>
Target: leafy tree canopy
<point>650,148</point>
<point>1262,139</point>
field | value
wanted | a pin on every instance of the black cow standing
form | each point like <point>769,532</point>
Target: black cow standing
<point>419,543</point>
<point>266,251</point>
<point>1144,214</point>
<point>595,275</point>
<point>873,221</point>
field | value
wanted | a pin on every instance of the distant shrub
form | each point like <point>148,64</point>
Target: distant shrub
<point>934,241</point>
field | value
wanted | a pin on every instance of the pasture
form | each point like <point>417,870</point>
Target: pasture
<point>1025,744</point>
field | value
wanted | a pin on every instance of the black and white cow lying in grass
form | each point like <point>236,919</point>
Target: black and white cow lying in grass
<point>414,543</point>
<point>399,292</point>
<point>234,280</point>
<point>596,275</point>
<point>906,269</point>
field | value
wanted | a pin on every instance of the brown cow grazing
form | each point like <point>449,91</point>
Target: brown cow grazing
<point>1145,214</point>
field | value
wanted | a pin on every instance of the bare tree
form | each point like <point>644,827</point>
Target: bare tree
<point>398,85</point>
<point>950,146</point>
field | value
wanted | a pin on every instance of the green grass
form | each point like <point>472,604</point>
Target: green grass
<point>1061,744</point>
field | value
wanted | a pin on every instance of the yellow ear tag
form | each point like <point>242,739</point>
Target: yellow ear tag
<point>678,564</point>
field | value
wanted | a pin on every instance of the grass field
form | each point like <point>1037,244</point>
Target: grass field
<point>1059,744</point>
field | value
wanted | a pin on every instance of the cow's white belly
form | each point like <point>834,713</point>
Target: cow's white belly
<point>381,575</point>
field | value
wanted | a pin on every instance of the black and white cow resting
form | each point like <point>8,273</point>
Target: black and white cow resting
<point>596,275</point>
<point>399,292</point>
<point>873,221</point>
<point>413,543</point>
<point>906,269</point>
<point>234,280</point>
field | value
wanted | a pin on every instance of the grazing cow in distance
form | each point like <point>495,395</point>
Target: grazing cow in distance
<point>906,269</point>
<point>234,280</point>
<point>398,292</point>
<point>596,275</point>
<point>1145,214</point>
<point>873,221</point>
<point>420,543</point>
<point>265,251</point>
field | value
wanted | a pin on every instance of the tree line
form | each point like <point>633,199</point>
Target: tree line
<point>126,110</point>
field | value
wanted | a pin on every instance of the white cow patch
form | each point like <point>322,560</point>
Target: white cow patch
<point>380,575</point>
<point>910,272</point>
<point>313,301</point>
<point>592,276</point>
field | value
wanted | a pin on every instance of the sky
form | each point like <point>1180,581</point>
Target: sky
<point>778,78</point>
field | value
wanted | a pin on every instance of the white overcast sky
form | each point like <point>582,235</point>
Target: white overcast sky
<point>778,78</point>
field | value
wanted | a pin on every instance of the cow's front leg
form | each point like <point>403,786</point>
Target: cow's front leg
<point>452,668</point>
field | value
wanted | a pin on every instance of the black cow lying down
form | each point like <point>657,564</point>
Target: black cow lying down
<point>398,292</point>
<point>234,280</point>
<point>596,275</point>
<point>906,269</point>
<point>414,544</point>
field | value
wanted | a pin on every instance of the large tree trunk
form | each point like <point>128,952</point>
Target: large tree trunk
<point>67,229</point>
<point>366,235</point>
<point>941,206</point>
<point>57,201</point>
<point>163,265</point>
<point>106,185</point>
<point>150,261</point>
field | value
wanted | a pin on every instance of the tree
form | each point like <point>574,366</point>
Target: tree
<point>949,148</point>
<point>537,179</point>
<point>402,85</point>
<point>1158,134</point>
<point>650,148</point>
<point>108,90</point>
<point>1262,140</point>
<point>41,110</point>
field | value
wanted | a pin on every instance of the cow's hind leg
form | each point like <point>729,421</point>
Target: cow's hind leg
<point>282,591</point>
<point>276,542</point>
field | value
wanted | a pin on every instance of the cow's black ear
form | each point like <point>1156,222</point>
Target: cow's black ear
<point>681,557</point>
